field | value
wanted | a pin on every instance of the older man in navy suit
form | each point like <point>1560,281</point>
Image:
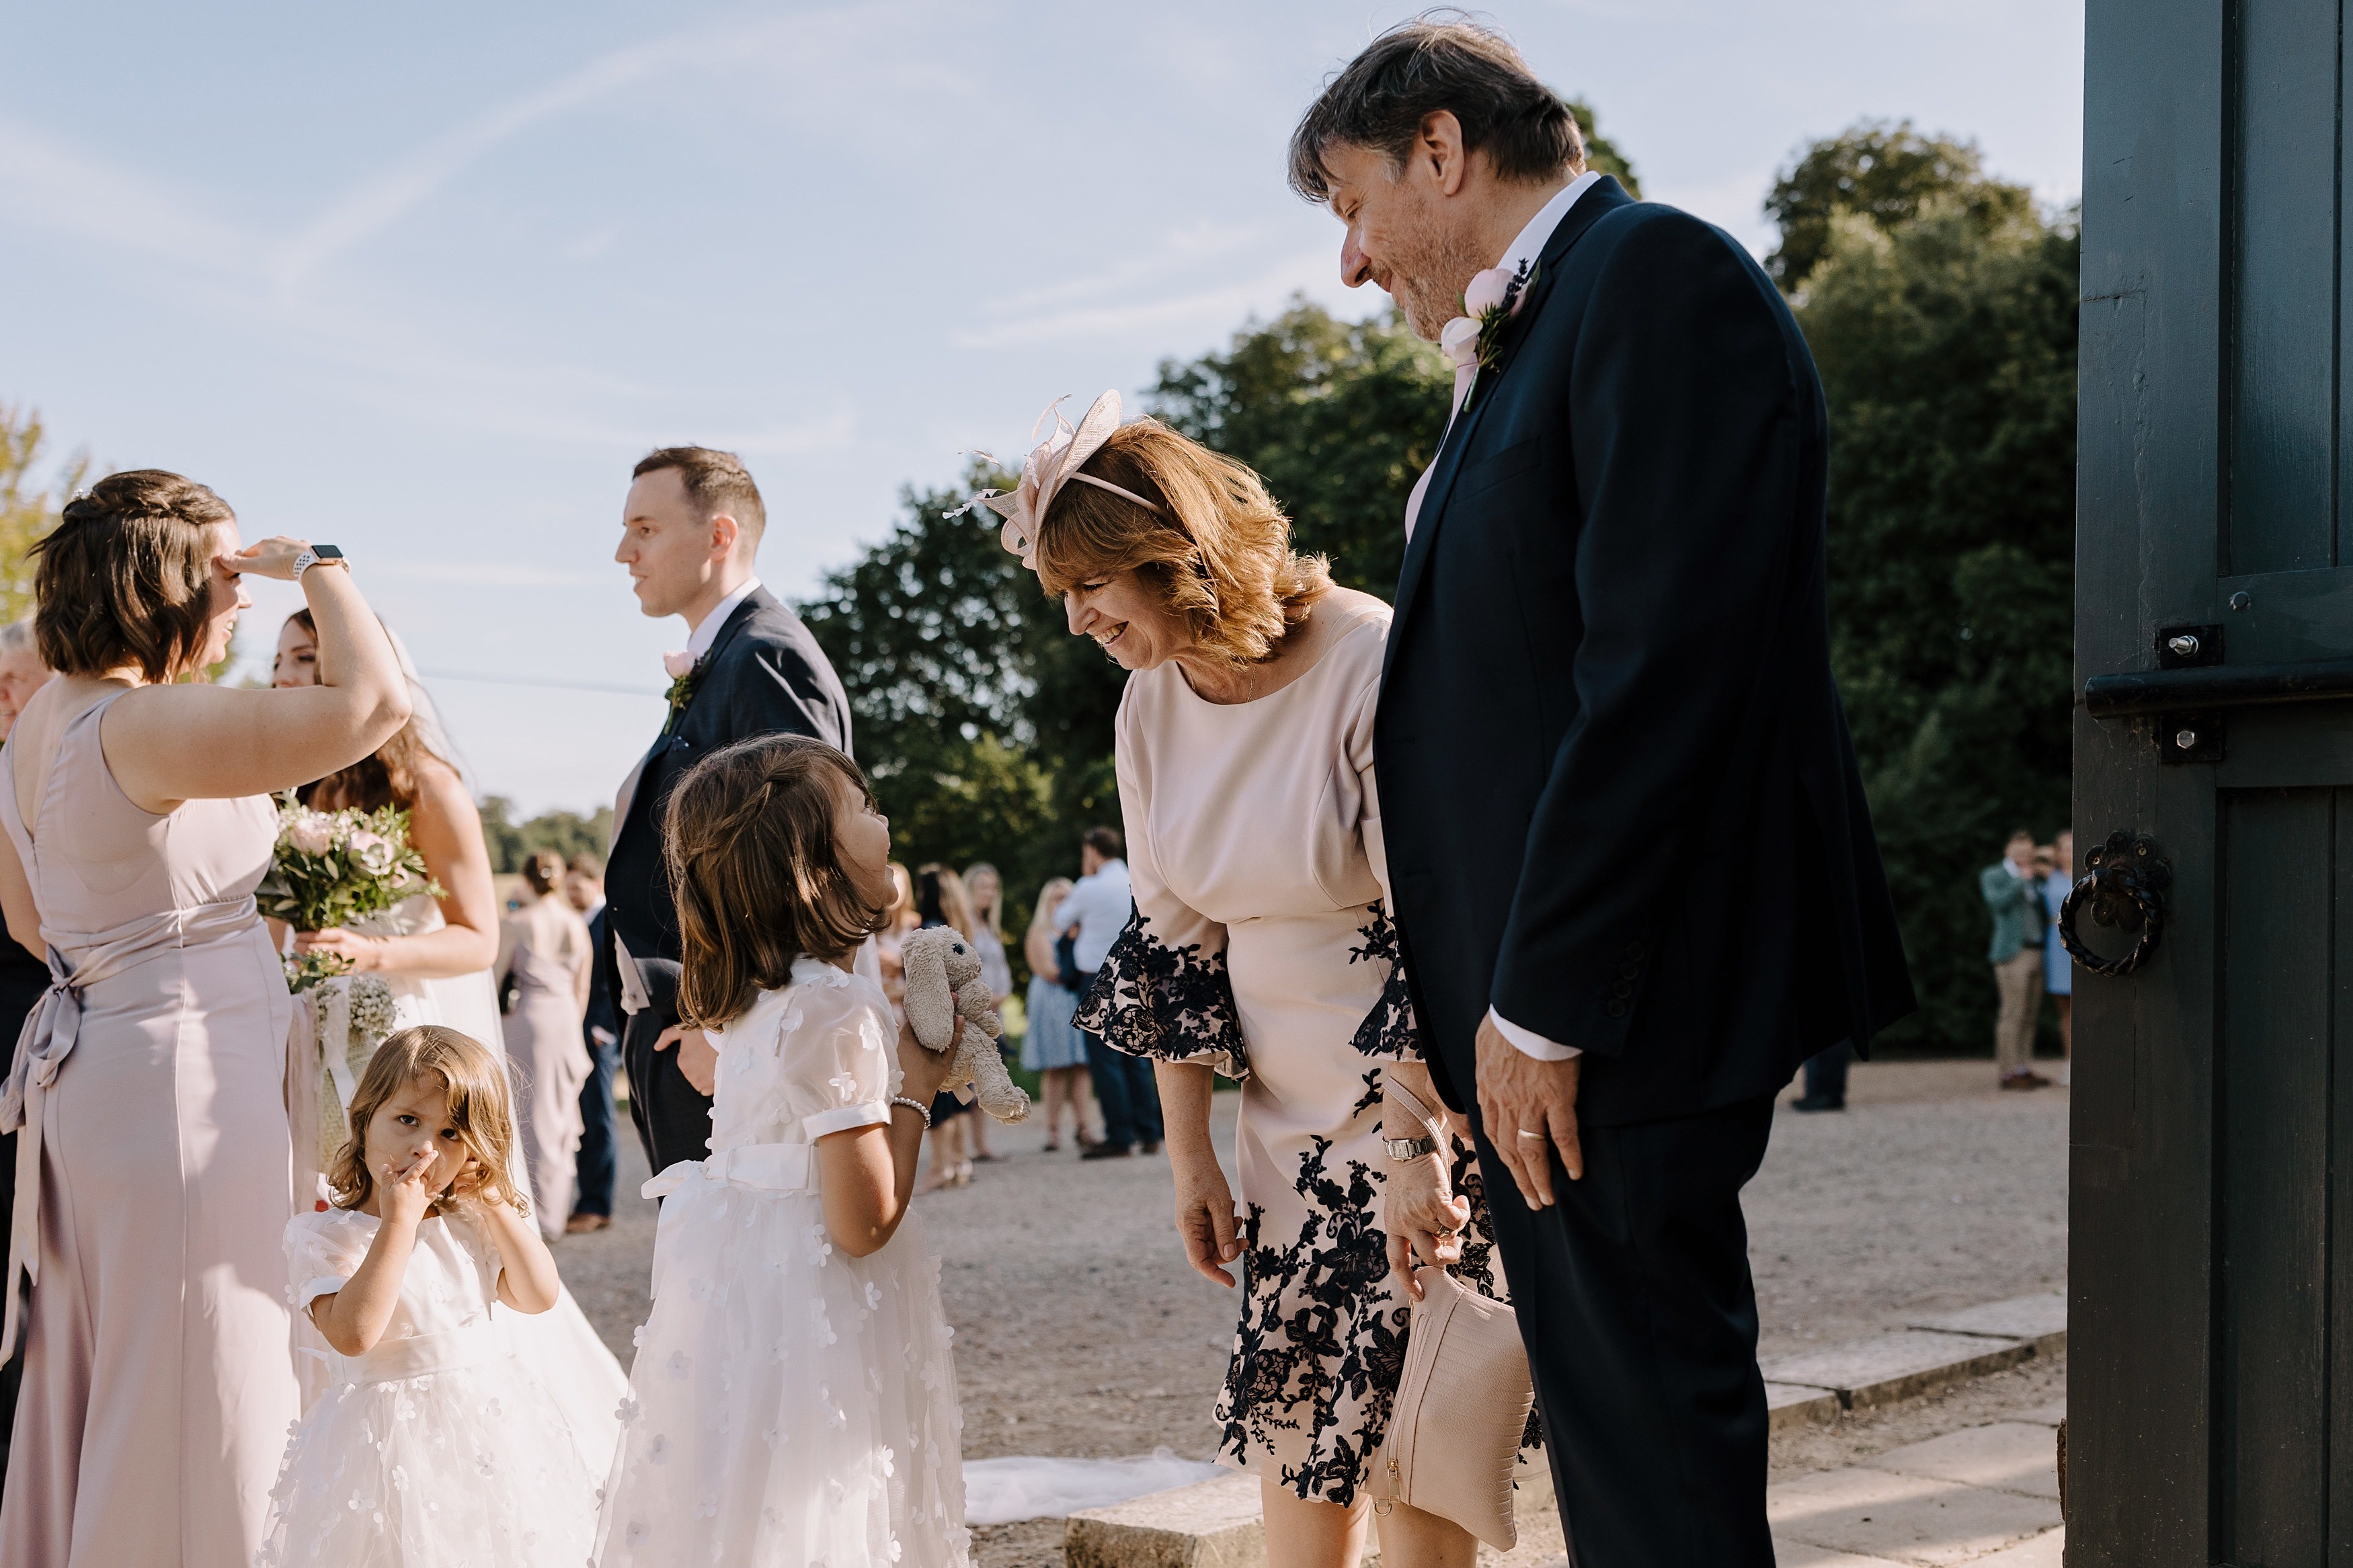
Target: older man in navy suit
<point>1635,880</point>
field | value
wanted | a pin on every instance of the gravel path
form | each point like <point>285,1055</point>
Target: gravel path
<point>1080,1333</point>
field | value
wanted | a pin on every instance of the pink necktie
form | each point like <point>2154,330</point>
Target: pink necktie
<point>1460,340</point>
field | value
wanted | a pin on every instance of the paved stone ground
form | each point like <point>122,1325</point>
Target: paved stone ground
<point>1079,1331</point>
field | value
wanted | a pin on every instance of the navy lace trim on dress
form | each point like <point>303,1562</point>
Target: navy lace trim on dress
<point>1389,1032</point>
<point>1173,1004</point>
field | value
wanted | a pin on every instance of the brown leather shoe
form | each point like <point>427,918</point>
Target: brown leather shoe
<point>581,1224</point>
<point>2026,1080</point>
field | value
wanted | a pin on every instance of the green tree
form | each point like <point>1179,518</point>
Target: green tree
<point>1889,175</point>
<point>1338,417</point>
<point>28,508</point>
<point>566,832</point>
<point>983,724</point>
<point>1947,345</point>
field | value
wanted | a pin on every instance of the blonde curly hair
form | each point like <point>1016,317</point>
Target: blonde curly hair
<point>1221,560</point>
<point>482,1109</point>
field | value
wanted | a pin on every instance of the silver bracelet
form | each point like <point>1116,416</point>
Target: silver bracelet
<point>917,1105</point>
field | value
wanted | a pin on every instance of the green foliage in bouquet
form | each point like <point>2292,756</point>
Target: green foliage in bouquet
<point>335,868</point>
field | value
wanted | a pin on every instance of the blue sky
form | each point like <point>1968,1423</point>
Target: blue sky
<point>425,279</point>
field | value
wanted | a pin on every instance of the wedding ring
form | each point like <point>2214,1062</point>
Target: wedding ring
<point>1525,1133</point>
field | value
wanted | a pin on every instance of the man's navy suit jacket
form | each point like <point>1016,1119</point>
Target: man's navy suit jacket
<point>1617,793</point>
<point>764,674</point>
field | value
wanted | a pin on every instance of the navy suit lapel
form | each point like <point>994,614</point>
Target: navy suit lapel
<point>672,738</point>
<point>1606,196</point>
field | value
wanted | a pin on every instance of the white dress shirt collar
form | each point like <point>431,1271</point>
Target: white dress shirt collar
<point>706,631</point>
<point>1538,233</point>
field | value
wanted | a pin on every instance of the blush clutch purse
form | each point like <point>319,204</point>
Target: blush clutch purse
<point>1461,1408</point>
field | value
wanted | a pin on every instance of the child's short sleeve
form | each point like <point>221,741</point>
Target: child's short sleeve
<point>848,1046</point>
<point>323,1250</point>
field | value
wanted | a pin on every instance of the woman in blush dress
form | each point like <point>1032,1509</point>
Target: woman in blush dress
<point>544,946</point>
<point>1260,947</point>
<point>153,1167</point>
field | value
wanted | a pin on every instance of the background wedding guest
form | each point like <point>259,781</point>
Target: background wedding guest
<point>2014,899</point>
<point>597,1168</point>
<point>2058,969</point>
<point>1050,1045</point>
<point>24,973</point>
<point>22,673</point>
<point>985,888</point>
<point>545,951</point>
<point>159,1382</point>
<point>690,527</point>
<point>897,921</point>
<point>955,1138</point>
<point>1635,873</point>
<point>1099,906</point>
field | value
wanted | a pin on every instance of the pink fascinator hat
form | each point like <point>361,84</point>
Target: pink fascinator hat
<point>1052,463</point>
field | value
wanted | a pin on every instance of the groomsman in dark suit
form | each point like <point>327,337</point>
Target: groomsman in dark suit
<point>689,531</point>
<point>1635,878</point>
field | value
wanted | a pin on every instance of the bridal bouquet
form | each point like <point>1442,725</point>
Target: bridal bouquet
<point>335,868</point>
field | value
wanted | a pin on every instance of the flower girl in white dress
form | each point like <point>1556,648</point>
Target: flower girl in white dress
<point>793,1401</point>
<point>433,1445</point>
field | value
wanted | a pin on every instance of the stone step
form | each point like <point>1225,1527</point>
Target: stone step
<point>1888,1367</point>
<point>1216,1523</point>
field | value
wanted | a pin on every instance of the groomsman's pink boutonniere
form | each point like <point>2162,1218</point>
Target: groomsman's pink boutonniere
<point>681,666</point>
<point>1475,339</point>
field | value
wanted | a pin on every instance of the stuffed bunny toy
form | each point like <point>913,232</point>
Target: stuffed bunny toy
<point>949,1007</point>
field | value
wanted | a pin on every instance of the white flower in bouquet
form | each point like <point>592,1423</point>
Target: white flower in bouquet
<point>311,832</point>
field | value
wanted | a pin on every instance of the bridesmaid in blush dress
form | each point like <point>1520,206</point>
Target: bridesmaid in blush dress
<point>547,953</point>
<point>154,1165</point>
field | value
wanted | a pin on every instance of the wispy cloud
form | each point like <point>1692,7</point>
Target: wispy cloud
<point>1187,312</point>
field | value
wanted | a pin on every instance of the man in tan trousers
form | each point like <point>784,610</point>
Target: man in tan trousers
<point>2014,898</point>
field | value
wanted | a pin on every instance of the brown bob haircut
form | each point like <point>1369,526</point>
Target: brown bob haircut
<point>757,877</point>
<point>715,481</point>
<point>1439,60</point>
<point>1221,560</point>
<point>126,578</point>
<point>482,1109</point>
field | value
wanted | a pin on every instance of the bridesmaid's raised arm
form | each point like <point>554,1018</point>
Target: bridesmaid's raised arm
<point>167,743</point>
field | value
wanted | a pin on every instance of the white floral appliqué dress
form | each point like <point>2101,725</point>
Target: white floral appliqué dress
<point>439,1447</point>
<point>791,1404</point>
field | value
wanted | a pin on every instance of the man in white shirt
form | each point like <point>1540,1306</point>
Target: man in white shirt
<point>1089,918</point>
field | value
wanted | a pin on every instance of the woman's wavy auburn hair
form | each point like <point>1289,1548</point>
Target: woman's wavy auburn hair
<point>757,877</point>
<point>481,1108</point>
<point>126,578</point>
<point>1220,560</point>
<point>387,776</point>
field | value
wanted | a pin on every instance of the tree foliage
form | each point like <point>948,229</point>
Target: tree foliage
<point>1338,417</point>
<point>1947,346</point>
<point>565,832</point>
<point>983,724</point>
<point>28,508</point>
<point>1887,174</point>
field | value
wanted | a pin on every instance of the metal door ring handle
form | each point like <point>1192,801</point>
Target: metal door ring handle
<point>2124,882</point>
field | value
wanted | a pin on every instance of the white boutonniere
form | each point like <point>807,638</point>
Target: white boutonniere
<point>1475,339</point>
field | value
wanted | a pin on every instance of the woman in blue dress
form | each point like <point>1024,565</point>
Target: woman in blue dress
<point>1051,1047</point>
<point>2058,969</point>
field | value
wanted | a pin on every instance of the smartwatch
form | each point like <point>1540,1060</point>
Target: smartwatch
<point>318,555</point>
